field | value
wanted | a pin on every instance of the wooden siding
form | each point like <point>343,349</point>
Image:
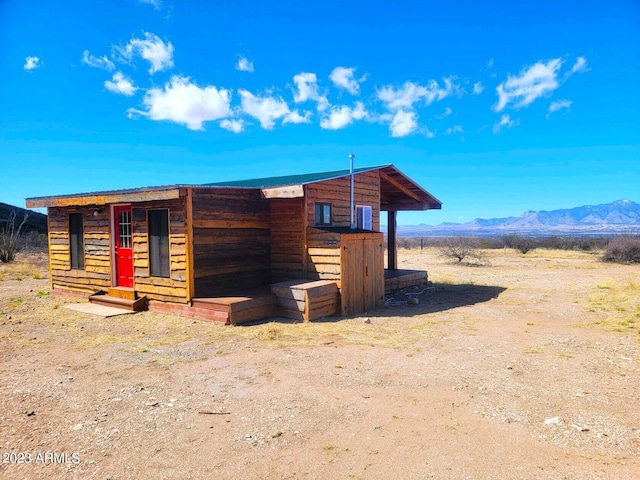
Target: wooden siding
<point>323,255</point>
<point>173,288</point>
<point>97,258</point>
<point>231,240</point>
<point>287,239</point>
<point>98,266</point>
<point>337,192</point>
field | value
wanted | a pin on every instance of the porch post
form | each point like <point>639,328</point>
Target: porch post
<point>392,250</point>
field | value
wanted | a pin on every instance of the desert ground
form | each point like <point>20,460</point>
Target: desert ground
<point>520,367</point>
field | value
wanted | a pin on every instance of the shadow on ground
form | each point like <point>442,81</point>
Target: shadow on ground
<point>445,297</point>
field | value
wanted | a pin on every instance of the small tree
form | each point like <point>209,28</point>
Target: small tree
<point>9,235</point>
<point>459,248</point>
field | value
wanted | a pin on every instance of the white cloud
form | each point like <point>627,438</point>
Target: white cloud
<point>478,88</point>
<point>580,66</point>
<point>235,126</point>
<point>341,116</point>
<point>307,85</point>
<point>410,93</point>
<point>152,48</point>
<point>445,114</point>
<point>454,129</point>
<point>183,102</point>
<point>97,62</point>
<point>265,109</point>
<point>403,123</point>
<point>31,63</point>
<point>244,65</point>
<point>156,3</point>
<point>295,117</point>
<point>533,82</point>
<point>342,77</point>
<point>559,105</point>
<point>120,84</point>
<point>504,122</point>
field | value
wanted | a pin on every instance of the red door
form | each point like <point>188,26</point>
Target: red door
<point>124,253</point>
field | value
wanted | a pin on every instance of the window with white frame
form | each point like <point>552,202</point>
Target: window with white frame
<point>364,215</point>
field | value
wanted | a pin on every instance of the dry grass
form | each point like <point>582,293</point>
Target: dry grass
<point>618,302</point>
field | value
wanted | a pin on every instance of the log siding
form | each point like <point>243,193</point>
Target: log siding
<point>337,193</point>
<point>96,273</point>
<point>231,240</point>
<point>287,239</point>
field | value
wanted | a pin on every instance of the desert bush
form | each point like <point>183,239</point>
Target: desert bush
<point>624,249</point>
<point>9,235</point>
<point>461,248</point>
<point>522,244</point>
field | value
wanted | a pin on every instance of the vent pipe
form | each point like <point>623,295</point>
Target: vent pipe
<point>351,204</point>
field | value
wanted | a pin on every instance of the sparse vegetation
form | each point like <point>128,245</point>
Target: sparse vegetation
<point>521,243</point>
<point>624,249</point>
<point>461,249</point>
<point>9,235</point>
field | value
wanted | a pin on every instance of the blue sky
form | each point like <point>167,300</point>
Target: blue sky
<point>494,107</point>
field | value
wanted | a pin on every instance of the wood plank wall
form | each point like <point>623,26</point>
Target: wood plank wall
<point>231,237</point>
<point>97,260</point>
<point>323,250</point>
<point>287,239</point>
<point>174,288</point>
<point>337,192</point>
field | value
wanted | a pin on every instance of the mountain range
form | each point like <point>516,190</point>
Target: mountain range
<point>622,216</point>
<point>35,222</point>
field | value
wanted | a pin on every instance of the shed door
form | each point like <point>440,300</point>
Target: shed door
<point>123,246</point>
<point>362,274</point>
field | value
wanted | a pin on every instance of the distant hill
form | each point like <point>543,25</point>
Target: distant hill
<point>37,222</point>
<point>622,216</point>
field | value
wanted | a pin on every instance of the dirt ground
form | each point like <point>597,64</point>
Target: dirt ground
<point>524,367</point>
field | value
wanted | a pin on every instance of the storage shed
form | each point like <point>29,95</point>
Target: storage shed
<point>213,251</point>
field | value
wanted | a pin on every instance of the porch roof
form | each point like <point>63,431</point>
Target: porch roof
<point>397,191</point>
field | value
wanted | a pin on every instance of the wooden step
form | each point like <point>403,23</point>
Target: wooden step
<point>137,305</point>
<point>307,300</point>
<point>241,308</point>
<point>123,292</point>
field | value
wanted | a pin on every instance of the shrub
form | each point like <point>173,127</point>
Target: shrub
<point>522,244</point>
<point>9,235</point>
<point>461,248</point>
<point>623,250</point>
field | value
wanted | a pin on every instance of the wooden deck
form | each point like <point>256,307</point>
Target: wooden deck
<point>241,307</point>
<point>397,279</point>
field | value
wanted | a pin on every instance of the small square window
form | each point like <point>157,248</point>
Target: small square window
<point>323,214</point>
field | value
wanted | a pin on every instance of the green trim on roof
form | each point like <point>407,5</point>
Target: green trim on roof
<point>285,181</point>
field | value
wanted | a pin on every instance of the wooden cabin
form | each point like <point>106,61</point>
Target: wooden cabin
<point>234,251</point>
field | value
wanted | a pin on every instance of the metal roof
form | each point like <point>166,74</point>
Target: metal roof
<point>288,180</point>
<point>397,191</point>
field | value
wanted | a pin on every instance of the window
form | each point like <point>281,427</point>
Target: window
<point>159,243</point>
<point>363,217</point>
<point>323,214</point>
<point>76,241</point>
